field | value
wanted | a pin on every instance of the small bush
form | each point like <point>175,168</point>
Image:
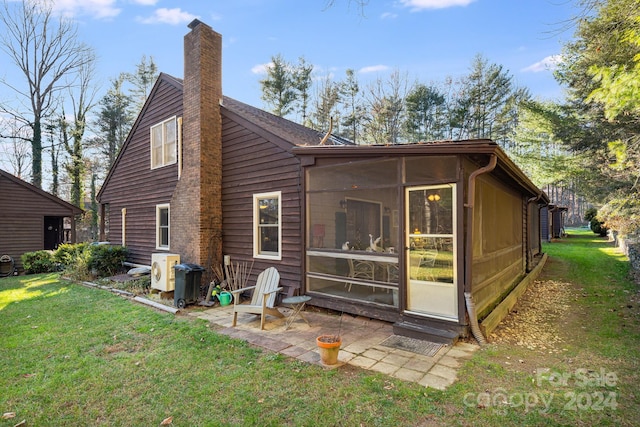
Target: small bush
<point>67,253</point>
<point>595,224</point>
<point>106,260</point>
<point>84,261</point>
<point>79,268</point>
<point>39,262</point>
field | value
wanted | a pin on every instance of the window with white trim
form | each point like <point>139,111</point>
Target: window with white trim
<point>164,143</point>
<point>162,227</point>
<point>267,230</point>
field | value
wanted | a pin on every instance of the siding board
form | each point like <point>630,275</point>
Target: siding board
<point>23,208</point>
<point>253,164</point>
<point>133,185</point>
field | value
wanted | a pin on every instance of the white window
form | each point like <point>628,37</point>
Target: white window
<point>267,230</point>
<point>164,143</point>
<point>162,227</point>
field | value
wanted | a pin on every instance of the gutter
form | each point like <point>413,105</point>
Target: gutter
<point>471,196</point>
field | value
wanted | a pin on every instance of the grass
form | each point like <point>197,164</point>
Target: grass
<point>75,356</point>
<point>593,379</point>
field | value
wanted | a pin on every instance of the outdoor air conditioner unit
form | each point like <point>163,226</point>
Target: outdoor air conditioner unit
<point>163,276</point>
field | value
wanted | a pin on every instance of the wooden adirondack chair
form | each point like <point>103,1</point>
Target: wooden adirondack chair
<point>263,299</point>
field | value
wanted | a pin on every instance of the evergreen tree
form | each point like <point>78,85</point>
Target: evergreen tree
<point>600,70</point>
<point>488,94</point>
<point>278,88</point>
<point>424,116</point>
<point>114,120</point>
<point>326,104</point>
<point>350,98</point>
<point>302,84</point>
<point>142,80</point>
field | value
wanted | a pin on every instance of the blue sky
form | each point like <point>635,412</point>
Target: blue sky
<point>426,39</point>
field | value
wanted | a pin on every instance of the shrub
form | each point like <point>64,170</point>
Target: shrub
<point>67,253</point>
<point>622,214</point>
<point>78,269</point>
<point>106,260</point>
<point>590,214</point>
<point>39,262</point>
<point>595,224</point>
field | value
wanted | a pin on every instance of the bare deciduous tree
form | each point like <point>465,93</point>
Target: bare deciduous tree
<point>385,106</point>
<point>15,146</point>
<point>47,51</point>
<point>82,98</point>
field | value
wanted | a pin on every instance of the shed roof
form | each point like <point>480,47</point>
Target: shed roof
<point>476,149</point>
<point>74,210</point>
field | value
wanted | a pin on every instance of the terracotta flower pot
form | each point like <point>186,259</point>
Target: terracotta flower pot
<point>329,347</point>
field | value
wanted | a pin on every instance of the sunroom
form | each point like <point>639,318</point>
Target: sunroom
<point>386,235</point>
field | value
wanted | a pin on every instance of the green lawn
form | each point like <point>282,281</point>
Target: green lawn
<point>78,356</point>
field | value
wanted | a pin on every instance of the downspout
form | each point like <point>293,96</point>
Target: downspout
<point>529,254</point>
<point>124,226</point>
<point>551,222</point>
<point>471,196</point>
<point>179,147</point>
<point>102,236</point>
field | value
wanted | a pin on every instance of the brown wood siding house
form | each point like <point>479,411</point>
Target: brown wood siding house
<point>134,189</point>
<point>32,219</point>
<point>415,234</point>
<point>257,161</point>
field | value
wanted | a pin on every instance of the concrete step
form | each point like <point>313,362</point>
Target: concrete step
<point>425,332</point>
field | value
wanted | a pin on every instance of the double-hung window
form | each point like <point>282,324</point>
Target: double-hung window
<point>164,143</point>
<point>162,227</point>
<point>267,230</point>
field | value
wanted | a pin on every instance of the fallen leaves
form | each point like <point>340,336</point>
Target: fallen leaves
<point>536,322</point>
<point>10,415</point>
<point>167,421</point>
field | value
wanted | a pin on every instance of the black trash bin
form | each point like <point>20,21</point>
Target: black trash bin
<point>187,288</point>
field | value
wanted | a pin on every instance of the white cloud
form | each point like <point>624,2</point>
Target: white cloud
<point>388,15</point>
<point>98,9</point>
<point>174,16</point>
<point>373,69</point>
<point>261,68</point>
<point>547,64</point>
<point>145,2</point>
<point>418,5</point>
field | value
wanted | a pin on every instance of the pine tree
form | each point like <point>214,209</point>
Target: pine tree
<point>278,88</point>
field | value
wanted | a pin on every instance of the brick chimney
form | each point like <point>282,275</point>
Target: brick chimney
<point>196,215</point>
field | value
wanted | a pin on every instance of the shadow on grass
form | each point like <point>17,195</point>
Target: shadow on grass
<point>18,289</point>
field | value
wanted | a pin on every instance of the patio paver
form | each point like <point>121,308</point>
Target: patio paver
<point>361,345</point>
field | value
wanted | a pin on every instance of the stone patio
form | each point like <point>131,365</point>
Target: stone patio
<point>361,344</point>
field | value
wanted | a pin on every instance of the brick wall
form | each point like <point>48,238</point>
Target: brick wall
<point>196,216</point>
